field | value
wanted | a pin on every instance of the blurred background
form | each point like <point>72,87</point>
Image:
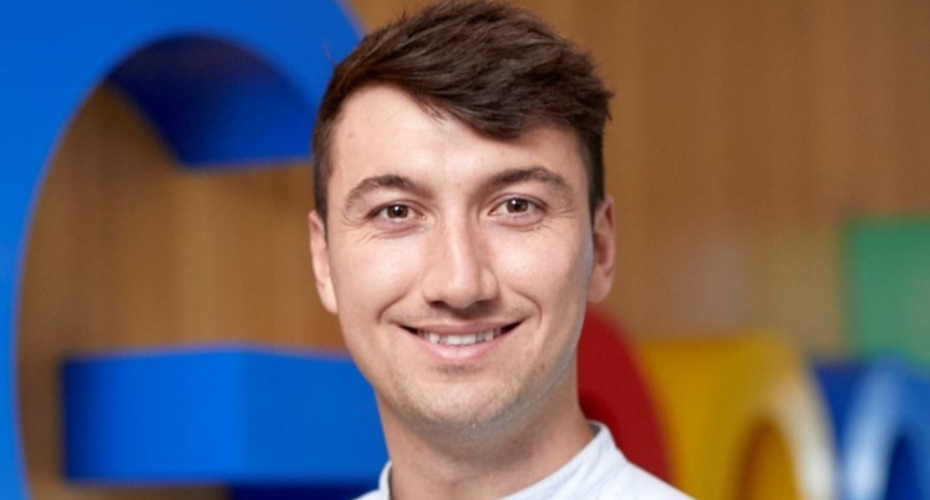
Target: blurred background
<point>746,137</point>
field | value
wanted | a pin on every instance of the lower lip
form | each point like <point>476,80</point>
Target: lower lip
<point>458,354</point>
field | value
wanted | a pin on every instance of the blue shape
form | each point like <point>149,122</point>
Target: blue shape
<point>881,415</point>
<point>215,102</point>
<point>298,493</point>
<point>276,54</point>
<point>235,415</point>
<point>903,469</point>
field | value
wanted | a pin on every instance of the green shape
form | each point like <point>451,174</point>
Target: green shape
<point>887,266</point>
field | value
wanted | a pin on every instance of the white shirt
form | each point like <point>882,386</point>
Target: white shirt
<point>598,472</point>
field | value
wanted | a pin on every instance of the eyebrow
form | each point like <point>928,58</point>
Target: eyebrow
<point>386,181</point>
<point>500,180</point>
<point>529,174</point>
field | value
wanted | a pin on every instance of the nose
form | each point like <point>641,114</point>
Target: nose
<point>458,271</point>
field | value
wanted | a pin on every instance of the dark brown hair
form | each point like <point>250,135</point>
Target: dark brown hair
<point>491,65</point>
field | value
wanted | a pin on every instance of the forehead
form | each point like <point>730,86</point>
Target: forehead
<point>382,128</point>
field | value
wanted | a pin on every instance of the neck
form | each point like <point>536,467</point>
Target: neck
<point>487,464</point>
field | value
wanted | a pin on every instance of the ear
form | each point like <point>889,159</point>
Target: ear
<point>602,272</point>
<point>319,253</point>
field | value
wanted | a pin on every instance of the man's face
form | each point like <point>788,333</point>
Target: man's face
<point>459,265</point>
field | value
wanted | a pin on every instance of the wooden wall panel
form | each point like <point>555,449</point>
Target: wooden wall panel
<point>744,134</point>
<point>131,251</point>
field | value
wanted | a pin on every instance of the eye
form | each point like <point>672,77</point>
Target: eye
<point>395,211</point>
<point>516,205</point>
<point>396,216</point>
<point>518,210</point>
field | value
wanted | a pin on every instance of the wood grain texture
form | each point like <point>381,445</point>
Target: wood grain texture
<point>743,135</point>
<point>131,251</point>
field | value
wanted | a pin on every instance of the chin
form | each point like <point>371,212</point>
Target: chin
<point>467,417</point>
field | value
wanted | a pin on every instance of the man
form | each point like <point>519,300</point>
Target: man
<point>460,229</point>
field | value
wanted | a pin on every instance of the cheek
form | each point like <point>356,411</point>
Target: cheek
<point>549,266</point>
<point>370,276</point>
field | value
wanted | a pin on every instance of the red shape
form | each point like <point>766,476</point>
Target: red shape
<point>612,390</point>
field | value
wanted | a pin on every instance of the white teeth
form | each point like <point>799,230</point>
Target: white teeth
<point>460,340</point>
<point>463,340</point>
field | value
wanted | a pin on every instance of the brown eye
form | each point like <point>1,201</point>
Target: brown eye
<point>517,205</point>
<point>518,211</point>
<point>397,211</point>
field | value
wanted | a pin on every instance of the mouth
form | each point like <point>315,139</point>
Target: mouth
<point>462,339</point>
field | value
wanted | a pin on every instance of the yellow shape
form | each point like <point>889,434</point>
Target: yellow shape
<point>743,418</point>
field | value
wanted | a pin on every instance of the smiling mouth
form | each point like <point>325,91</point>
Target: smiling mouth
<point>463,340</point>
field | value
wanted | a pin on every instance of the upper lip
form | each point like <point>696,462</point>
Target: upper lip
<point>460,329</point>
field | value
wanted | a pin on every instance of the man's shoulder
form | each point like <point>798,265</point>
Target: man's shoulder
<point>637,484</point>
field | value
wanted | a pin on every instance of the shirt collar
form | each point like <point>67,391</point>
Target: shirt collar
<point>597,462</point>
